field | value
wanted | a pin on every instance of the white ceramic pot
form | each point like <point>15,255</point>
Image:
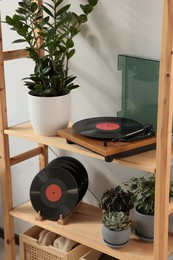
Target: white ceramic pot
<point>49,114</point>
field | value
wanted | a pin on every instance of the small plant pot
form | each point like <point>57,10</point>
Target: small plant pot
<point>144,226</point>
<point>116,239</point>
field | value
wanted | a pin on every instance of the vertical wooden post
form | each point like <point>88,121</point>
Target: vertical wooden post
<point>5,173</point>
<point>43,157</point>
<point>164,130</point>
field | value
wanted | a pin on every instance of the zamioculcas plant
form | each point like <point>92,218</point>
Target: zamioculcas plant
<point>50,44</point>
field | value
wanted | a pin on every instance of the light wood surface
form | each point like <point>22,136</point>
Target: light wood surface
<point>98,146</point>
<point>16,54</point>
<point>143,161</point>
<point>5,172</point>
<point>85,227</point>
<point>25,156</point>
<point>164,134</point>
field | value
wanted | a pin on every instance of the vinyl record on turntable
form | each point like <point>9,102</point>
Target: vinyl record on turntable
<point>54,191</point>
<point>108,127</point>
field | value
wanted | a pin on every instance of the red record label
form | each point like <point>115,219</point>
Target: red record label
<point>53,192</point>
<point>107,126</point>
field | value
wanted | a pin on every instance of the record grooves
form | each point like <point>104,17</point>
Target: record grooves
<point>58,188</point>
<point>108,127</point>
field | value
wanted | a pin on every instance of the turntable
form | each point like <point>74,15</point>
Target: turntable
<point>111,137</point>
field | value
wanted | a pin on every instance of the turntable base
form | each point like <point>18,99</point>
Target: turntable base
<point>108,148</point>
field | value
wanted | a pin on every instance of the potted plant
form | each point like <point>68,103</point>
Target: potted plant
<point>116,199</point>
<point>116,228</point>
<point>49,30</point>
<point>143,191</point>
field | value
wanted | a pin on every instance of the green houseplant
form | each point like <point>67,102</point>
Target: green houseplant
<point>116,199</point>
<point>48,30</point>
<point>143,191</point>
<point>116,228</point>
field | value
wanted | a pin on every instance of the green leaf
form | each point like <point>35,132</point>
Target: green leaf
<point>22,4</point>
<point>82,18</point>
<point>57,3</point>
<point>86,8</point>
<point>74,17</point>
<point>69,43</point>
<point>47,11</point>
<point>40,10</point>
<point>93,2</point>
<point>42,34</point>
<point>73,30</point>
<point>19,41</point>
<point>33,7</point>
<point>44,21</point>
<point>21,11</point>
<point>9,20</point>
<point>38,86</point>
<point>70,53</point>
<point>70,79</point>
<point>47,70</point>
<point>63,35</point>
<point>51,6</point>
<point>70,87</point>
<point>16,18</point>
<point>50,34</point>
<point>22,18</point>
<point>63,10</point>
<point>62,22</point>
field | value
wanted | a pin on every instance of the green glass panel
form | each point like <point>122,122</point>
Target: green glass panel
<point>139,89</point>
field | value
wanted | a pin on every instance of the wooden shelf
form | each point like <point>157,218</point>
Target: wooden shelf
<point>85,223</point>
<point>143,161</point>
<point>84,227</point>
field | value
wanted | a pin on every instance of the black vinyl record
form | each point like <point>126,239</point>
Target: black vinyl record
<point>75,174</point>
<point>77,169</point>
<point>108,127</point>
<point>54,192</point>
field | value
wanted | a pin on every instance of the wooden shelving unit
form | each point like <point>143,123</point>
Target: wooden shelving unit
<point>85,224</point>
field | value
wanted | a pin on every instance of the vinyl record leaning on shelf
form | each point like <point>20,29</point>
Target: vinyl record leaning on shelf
<point>57,189</point>
<point>108,127</point>
<point>77,169</point>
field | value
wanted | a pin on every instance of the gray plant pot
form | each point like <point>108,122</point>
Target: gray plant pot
<point>116,239</point>
<point>144,225</point>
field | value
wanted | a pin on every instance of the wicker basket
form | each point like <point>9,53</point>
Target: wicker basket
<point>31,250</point>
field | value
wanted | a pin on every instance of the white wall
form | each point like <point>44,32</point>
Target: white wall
<point>116,26</point>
